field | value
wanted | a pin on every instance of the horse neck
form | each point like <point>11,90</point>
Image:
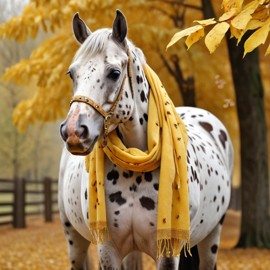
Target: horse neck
<point>134,130</point>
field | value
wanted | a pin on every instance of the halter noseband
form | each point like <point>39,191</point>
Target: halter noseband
<point>107,115</point>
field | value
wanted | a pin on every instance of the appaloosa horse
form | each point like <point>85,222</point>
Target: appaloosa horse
<point>97,72</point>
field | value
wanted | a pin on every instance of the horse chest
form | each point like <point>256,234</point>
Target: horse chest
<point>131,202</point>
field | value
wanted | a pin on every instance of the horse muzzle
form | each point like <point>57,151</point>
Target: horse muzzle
<point>77,137</point>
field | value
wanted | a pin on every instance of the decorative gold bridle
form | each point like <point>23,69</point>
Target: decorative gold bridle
<point>107,115</point>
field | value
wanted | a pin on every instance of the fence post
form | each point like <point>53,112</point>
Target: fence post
<point>48,199</point>
<point>19,203</point>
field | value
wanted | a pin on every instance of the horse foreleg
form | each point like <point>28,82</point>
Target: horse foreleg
<point>77,246</point>
<point>168,263</point>
<point>109,258</point>
<point>208,249</point>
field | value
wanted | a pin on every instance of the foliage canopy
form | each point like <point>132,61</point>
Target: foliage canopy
<point>238,17</point>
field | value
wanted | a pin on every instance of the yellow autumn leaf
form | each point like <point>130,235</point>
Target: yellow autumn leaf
<point>232,4</point>
<point>214,37</point>
<point>38,19</point>
<point>236,32</point>
<point>228,15</point>
<point>257,38</point>
<point>241,20</point>
<point>251,6</point>
<point>254,24</point>
<point>206,22</point>
<point>194,37</point>
<point>183,33</point>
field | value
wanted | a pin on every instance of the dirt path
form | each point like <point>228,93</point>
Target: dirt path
<point>43,247</point>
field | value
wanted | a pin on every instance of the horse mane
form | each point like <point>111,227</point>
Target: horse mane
<point>96,43</point>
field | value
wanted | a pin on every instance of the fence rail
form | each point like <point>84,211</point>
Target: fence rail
<point>25,197</point>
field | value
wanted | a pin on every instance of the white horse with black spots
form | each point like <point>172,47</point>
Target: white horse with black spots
<point>97,71</point>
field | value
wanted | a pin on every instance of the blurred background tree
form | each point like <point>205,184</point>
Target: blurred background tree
<point>22,154</point>
<point>191,77</point>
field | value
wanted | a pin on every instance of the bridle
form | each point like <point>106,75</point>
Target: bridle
<point>107,115</point>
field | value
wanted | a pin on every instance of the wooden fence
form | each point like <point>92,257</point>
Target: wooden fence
<point>25,198</point>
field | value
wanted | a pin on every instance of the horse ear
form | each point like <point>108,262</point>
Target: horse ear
<point>119,27</point>
<point>80,29</point>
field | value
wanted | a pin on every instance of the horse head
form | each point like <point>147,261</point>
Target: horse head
<point>99,73</point>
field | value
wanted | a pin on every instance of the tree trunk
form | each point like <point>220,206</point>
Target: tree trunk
<point>186,86</point>
<point>15,157</point>
<point>207,9</point>
<point>188,92</point>
<point>254,170</point>
<point>235,203</point>
<point>254,160</point>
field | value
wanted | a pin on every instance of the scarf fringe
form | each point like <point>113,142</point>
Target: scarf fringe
<point>171,242</point>
<point>172,247</point>
<point>98,232</point>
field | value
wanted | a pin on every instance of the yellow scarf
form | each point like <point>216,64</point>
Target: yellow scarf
<point>167,141</point>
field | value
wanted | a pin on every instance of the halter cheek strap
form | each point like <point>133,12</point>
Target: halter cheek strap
<point>107,115</point>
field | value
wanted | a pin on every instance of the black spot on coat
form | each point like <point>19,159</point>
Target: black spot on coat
<point>67,224</point>
<point>143,98</point>
<point>113,176</point>
<point>117,197</point>
<point>214,249</point>
<point>126,174</point>
<point>148,176</point>
<point>133,188</point>
<point>139,79</point>
<point>147,203</point>
<point>138,179</point>
<point>145,116</point>
<point>223,138</point>
<point>208,127</point>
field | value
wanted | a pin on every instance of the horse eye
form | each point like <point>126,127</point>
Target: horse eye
<point>114,75</point>
<point>70,75</point>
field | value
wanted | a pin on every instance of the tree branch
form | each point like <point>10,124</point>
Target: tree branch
<point>179,3</point>
<point>192,7</point>
<point>178,71</point>
<point>162,11</point>
<point>166,64</point>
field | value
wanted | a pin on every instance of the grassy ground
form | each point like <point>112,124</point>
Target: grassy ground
<point>42,246</point>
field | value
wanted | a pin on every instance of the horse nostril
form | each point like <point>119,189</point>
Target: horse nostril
<point>83,132</point>
<point>63,131</point>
